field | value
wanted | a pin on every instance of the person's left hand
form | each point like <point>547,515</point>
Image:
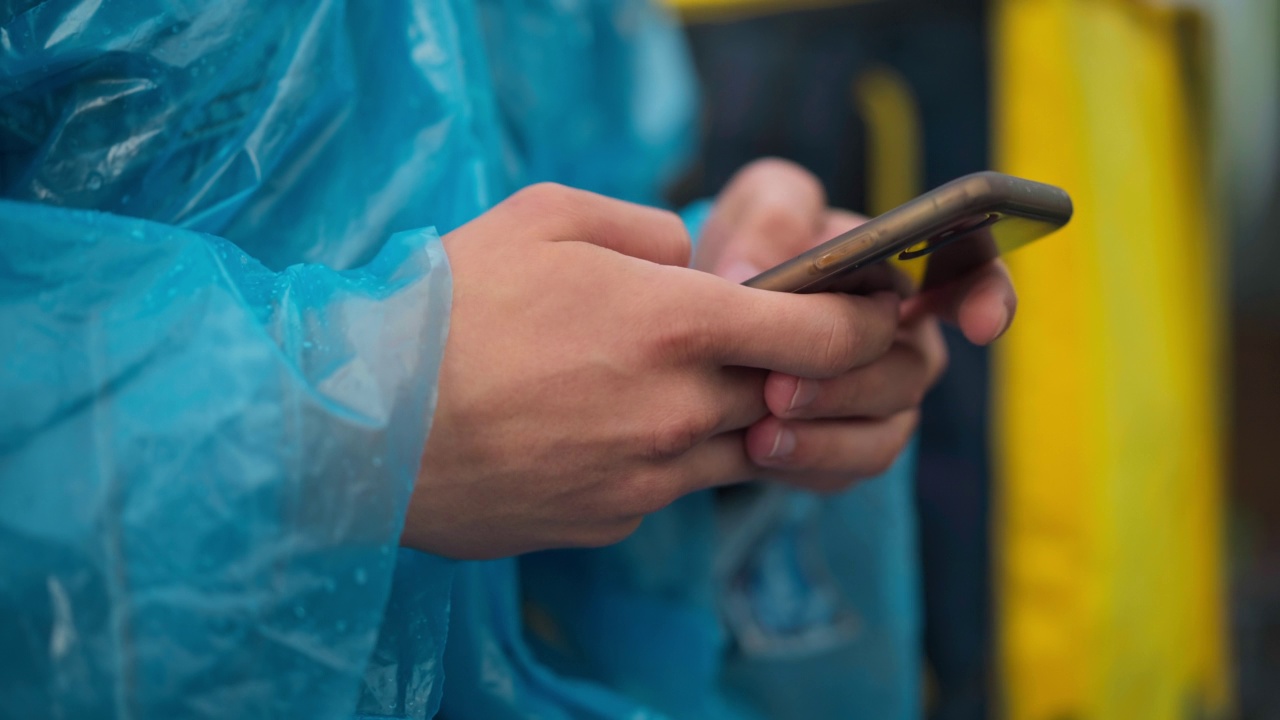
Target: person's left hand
<point>825,434</point>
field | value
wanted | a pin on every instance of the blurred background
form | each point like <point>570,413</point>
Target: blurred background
<point>1098,495</point>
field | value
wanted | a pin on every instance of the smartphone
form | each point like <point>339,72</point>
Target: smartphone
<point>957,226</point>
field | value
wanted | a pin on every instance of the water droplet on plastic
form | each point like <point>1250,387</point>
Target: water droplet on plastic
<point>244,259</point>
<point>93,182</point>
<point>361,576</point>
<point>299,611</point>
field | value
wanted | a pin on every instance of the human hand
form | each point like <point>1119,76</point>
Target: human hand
<point>590,377</point>
<point>823,434</point>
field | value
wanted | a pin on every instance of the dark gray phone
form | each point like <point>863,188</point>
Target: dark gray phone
<point>958,226</point>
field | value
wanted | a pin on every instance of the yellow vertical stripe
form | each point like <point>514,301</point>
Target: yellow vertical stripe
<point>1107,412</point>
<point>895,158</point>
<point>895,144</point>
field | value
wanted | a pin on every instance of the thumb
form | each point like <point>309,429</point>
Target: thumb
<point>770,211</point>
<point>738,270</point>
<point>739,262</point>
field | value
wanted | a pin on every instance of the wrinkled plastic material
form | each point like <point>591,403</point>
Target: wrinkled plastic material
<point>204,465</point>
<point>225,301</point>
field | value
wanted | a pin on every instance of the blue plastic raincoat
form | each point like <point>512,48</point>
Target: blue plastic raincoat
<point>224,300</point>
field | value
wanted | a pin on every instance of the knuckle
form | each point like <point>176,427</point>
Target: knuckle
<point>541,194</point>
<point>680,433</point>
<point>843,397</point>
<point>645,493</point>
<point>839,344</point>
<point>675,339</point>
<point>669,225</point>
<point>667,220</point>
<point>543,208</point>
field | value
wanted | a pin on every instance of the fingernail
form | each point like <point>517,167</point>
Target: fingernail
<point>784,443</point>
<point>740,271</point>
<point>806,391</point>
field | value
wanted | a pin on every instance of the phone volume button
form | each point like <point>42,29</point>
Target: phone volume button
<point>826,262</point>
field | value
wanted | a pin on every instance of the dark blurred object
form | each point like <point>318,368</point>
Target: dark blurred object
<point>1255,491</point>
<point>784,86</point>
<point>1248,114</point>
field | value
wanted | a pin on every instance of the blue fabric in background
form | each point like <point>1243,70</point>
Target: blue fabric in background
<point>225,302</point>
<point>938,48</point>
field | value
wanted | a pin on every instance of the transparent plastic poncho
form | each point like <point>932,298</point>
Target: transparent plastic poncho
<point>224,302</point>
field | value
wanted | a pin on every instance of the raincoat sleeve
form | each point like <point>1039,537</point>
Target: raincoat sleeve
<point>204,466</point>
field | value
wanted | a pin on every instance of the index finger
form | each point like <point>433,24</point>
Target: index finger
<point>562,213</point>
<point>813,336</point>
<point>981,303</point>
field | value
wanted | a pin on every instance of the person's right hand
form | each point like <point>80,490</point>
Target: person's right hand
<point>589,378</point>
